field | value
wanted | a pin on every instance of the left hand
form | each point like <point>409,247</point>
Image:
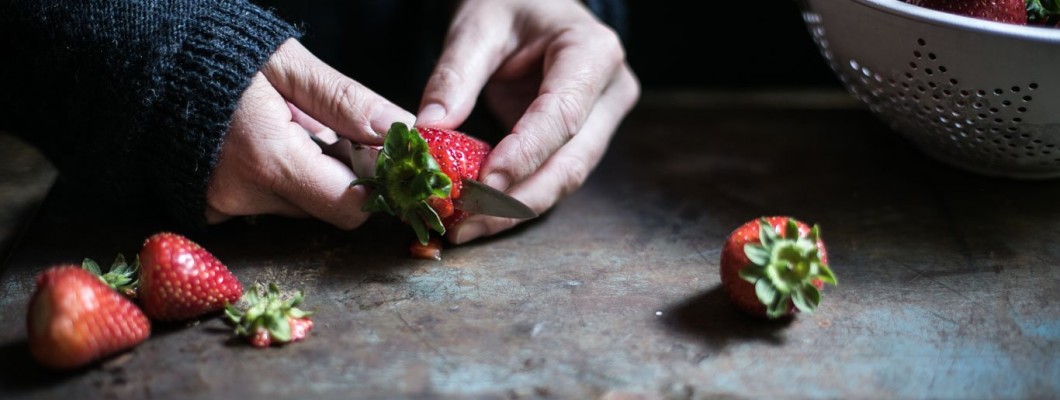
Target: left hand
<point>554,74</point>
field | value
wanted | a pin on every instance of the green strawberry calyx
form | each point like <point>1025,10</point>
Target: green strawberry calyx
<point>785,269</point>
<point>1043,12</point>
<point>122,276</point>
<point>267,309</point>
<point>406,175</point>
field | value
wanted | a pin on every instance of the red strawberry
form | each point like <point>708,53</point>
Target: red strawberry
<point>418,174</point>
<point>1008,11</point>
<point>180,280</point>
<point>772,266</point>
<point>430,251</point>
<point>74,318</point>
<point>268,317</point>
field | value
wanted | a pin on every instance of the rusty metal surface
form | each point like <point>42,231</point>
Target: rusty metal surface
<point>947,289</point>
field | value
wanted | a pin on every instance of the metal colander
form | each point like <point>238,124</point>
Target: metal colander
<point>980,95</point>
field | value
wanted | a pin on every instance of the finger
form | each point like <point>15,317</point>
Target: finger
<point>568,168</point>
<point>352,110</point>
<point>257,206</point>
<point>579,64</point>
<point>473,50</point>
<point>319,185</point>
<point>309,123</point>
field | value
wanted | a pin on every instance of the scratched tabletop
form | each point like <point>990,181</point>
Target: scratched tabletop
<point>948,281</point>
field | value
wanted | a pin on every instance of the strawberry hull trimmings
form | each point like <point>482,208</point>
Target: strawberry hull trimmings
<point>268,316</point>
<point>775,266</point>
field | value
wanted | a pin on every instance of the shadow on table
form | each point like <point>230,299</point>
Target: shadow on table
<point>19,372</point>
<point>712,318</point>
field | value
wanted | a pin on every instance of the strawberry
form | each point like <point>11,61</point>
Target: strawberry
<point>74,318</point>
<point>1007,11</point>
<point>418,174</point>
<point>772,266</point>
<point>430,251</point>
<point>180,280</point>
<point>268,317</point>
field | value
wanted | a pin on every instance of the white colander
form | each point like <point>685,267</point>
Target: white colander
<point>980,95</point>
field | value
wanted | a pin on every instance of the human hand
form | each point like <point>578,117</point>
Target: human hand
<point>551,72</point>
<point>268,163</point>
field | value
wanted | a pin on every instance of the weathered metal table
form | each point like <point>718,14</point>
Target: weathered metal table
<point>947,289</point>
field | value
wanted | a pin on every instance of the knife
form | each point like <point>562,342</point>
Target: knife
<point>475,197</point>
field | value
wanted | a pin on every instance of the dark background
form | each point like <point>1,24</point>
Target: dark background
<point>390,45</point>
<point>731,45</point>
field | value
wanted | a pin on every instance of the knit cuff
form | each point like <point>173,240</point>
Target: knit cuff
<point>200,87</point>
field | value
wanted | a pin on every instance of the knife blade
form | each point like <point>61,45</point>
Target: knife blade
<point>475,197</point>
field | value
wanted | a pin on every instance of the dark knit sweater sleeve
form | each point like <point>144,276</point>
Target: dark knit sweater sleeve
<point>132,98</point>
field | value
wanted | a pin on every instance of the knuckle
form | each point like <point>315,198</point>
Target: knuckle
<point>347,97</point>
<point>569,114</point>
<point>446,78</point>
<point>574,172</point>
<point>529,155</point>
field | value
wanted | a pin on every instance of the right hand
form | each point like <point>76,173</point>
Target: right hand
<point>268,163</point>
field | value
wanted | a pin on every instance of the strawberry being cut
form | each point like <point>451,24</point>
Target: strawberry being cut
<point>267,317</point>
<point>74,318</point>
<point>773,266</point>
<point>180,280</point>
<point>1007,11</point>
<point>418,174</point>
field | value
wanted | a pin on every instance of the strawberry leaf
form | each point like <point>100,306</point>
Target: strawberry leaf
<point>91,266</point>
<point>825,274</point>
<point>778,307</point>
<point>121,276</point>
<point>765,291</point>
<point>766,234</point>
<point>757,254</point>
<point>1043,12</point>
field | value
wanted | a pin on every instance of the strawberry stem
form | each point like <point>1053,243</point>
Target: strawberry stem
<point>122,276</point>
<point>406,176</point>
<point>785,268</point>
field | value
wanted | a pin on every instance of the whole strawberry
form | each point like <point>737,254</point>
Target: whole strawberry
<point>418,174</point>
<point>267,317</point>
<point>74,319</point>
<point>1007,11</point>
<point>772,266</point>
<point>180,280</point>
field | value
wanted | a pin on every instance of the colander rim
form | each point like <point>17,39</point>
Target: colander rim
<point>944,19</point>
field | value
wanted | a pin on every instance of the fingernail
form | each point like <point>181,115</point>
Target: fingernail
<point>497,181</point>
<point>388,115</point>
<point>430,114</point>
<point>468,231</point>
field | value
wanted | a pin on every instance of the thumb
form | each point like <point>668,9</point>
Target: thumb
<point>344,105</point>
